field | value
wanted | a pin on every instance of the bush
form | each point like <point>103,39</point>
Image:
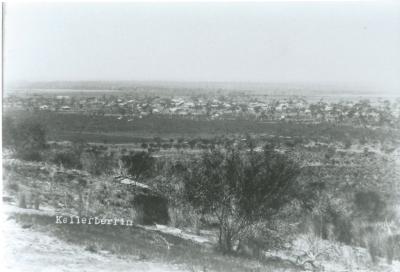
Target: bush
<point>97,163</point>
<point>22,201</point>
<point>370,205</point>
<point>347,143</point>
<point>144,145</point>
<point>332,220</point>
<point>27,138</point>
<point>29,155</point>
<point>240,189</point>
<point>265,235</point>
<point>67,159</point>
<point>183,216</point>
<point>139,165</point>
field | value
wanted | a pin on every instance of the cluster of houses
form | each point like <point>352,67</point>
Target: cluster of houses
<point>243,106</point>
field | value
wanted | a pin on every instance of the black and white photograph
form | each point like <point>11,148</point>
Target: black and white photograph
<point>200,136</point>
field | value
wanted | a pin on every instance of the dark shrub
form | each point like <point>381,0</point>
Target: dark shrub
<point>138,165</point>
<point>67,159</point>
<point>96,162</point>
<point>370,205</point>
<point>27,138</point>
<point>29,155</point>
<point>154,208</point>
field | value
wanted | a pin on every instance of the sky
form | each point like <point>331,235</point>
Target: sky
<point>353,43</point>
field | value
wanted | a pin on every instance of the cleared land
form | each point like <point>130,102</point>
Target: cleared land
<point>63,127</point>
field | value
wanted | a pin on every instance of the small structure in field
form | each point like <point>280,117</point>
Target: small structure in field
<point>149,204</point>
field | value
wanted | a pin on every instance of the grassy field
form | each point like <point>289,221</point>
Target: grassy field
<point>109,129</point>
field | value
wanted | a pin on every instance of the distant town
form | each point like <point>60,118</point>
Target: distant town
<point>215,106</point>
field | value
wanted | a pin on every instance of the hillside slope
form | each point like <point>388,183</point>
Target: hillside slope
<point>29,250</point>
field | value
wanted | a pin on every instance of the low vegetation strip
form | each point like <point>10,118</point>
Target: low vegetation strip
<point>103,128</point>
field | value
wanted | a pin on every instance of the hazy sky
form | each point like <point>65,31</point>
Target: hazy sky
<point>346,43</point>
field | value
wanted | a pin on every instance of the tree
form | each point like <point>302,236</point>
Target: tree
<point>250,142</point>
<point>27,138</point>
<point>240,189</point>
<point>139,164</point>
<point>370,205</point>
<point>192,143</point>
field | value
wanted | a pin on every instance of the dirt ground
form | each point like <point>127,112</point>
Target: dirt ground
<point>28,250</point>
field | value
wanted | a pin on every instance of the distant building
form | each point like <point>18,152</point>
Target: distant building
<point>44,107</point>
<point>65,108</point>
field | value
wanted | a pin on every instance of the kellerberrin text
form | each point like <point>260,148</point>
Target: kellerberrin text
<point>74,219</point>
